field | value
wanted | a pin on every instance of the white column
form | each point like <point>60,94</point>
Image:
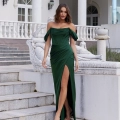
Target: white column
<point>114,11</point>
<point>101,49</point>
<point>82,7</point>
<point>37,11</point>
<point>101,37</point>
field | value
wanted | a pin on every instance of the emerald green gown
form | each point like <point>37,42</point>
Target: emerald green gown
<point>61,54</point>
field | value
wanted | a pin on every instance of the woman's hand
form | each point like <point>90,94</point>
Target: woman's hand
<point>44,63</point>
<point>76,66</point>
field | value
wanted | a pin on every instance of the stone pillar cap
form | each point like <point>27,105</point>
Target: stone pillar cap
<point>102,37</point>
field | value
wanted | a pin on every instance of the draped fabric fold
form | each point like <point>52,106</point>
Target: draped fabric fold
<point>46,35</point>
<point>73,34</point>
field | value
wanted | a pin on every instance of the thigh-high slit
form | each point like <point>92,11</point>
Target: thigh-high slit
<point>58,63</point>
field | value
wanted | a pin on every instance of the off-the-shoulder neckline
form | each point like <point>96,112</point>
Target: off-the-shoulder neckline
<point>62,28</point>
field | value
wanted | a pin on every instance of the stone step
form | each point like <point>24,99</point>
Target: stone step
<point>14,58</point>
<point>25,100</point>
<point>7,48</point>
<point>9,76</point>
<point>19,87</point>
<point>37,113</point>
<point>1,45</point>
<point>14,51</point>
<point>18,62</point>
<point>13,54</point>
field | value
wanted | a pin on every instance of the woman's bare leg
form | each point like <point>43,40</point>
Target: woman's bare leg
<point>68,109</point>
<point>63,92</point>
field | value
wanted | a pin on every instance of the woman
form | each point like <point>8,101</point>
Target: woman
<point>62,56</point>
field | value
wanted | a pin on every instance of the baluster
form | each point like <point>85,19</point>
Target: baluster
<point>30,29</point>
<point>45,29</point>
<point>38,33</point>
<point>93,33</point>
<point>42,30</point>
<point>9,30</point>
<point>35,25</point>
<point>1,30</point>
<point>14,34</point>
<point>84,33</point>
<point>6,29</point>
<point>22,30</point>
<point>90,33</point>
<point>18,30</point>
<point>87,34</point>
<point>5,33</point>
<point>81,32</point>
<point>83,44</point>
<point>26,30</point>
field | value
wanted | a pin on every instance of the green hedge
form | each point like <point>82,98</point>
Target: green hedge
<point>110,56</point>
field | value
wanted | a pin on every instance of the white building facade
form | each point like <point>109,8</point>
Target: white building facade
<point>84,12</point>
<point>97,11</point>
<point>21,10</point>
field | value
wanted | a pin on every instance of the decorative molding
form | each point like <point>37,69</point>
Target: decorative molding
<point>96,5</point>
<point>15,3</point>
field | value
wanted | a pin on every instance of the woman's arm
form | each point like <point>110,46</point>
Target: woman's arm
<point>47,43</point>
<point>47,46</point>
<point>72,44</point>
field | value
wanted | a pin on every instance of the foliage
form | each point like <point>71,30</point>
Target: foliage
<point>110,55</point>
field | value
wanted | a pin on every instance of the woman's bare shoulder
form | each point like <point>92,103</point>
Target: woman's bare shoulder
<point>50,24</point>
<point>72,27</point>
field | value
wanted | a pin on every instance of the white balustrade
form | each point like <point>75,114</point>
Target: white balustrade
<point>86,33</point>
<point>19,30</point>
<point>25,30</point>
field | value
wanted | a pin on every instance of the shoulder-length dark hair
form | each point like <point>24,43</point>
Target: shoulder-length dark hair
<point>68,18</point>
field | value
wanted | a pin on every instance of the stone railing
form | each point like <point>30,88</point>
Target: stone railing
<point>26,30</point>
<point>86,33</point>
<point>19,30</point>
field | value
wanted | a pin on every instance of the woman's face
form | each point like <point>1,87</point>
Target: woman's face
<point>63,13</point>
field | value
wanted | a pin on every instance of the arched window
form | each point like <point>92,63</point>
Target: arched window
<point>25,10</point>
<point>92,16</point>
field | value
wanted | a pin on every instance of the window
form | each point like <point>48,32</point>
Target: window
<point>29,15</point>
<point>92,16</point>
<point>27,2</point>
<point>21,14</point>
<point>92,10</point>
<point>25,10</point>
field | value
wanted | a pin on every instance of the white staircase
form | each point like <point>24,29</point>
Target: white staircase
<point>13,56</point>
<point>20,101</point>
